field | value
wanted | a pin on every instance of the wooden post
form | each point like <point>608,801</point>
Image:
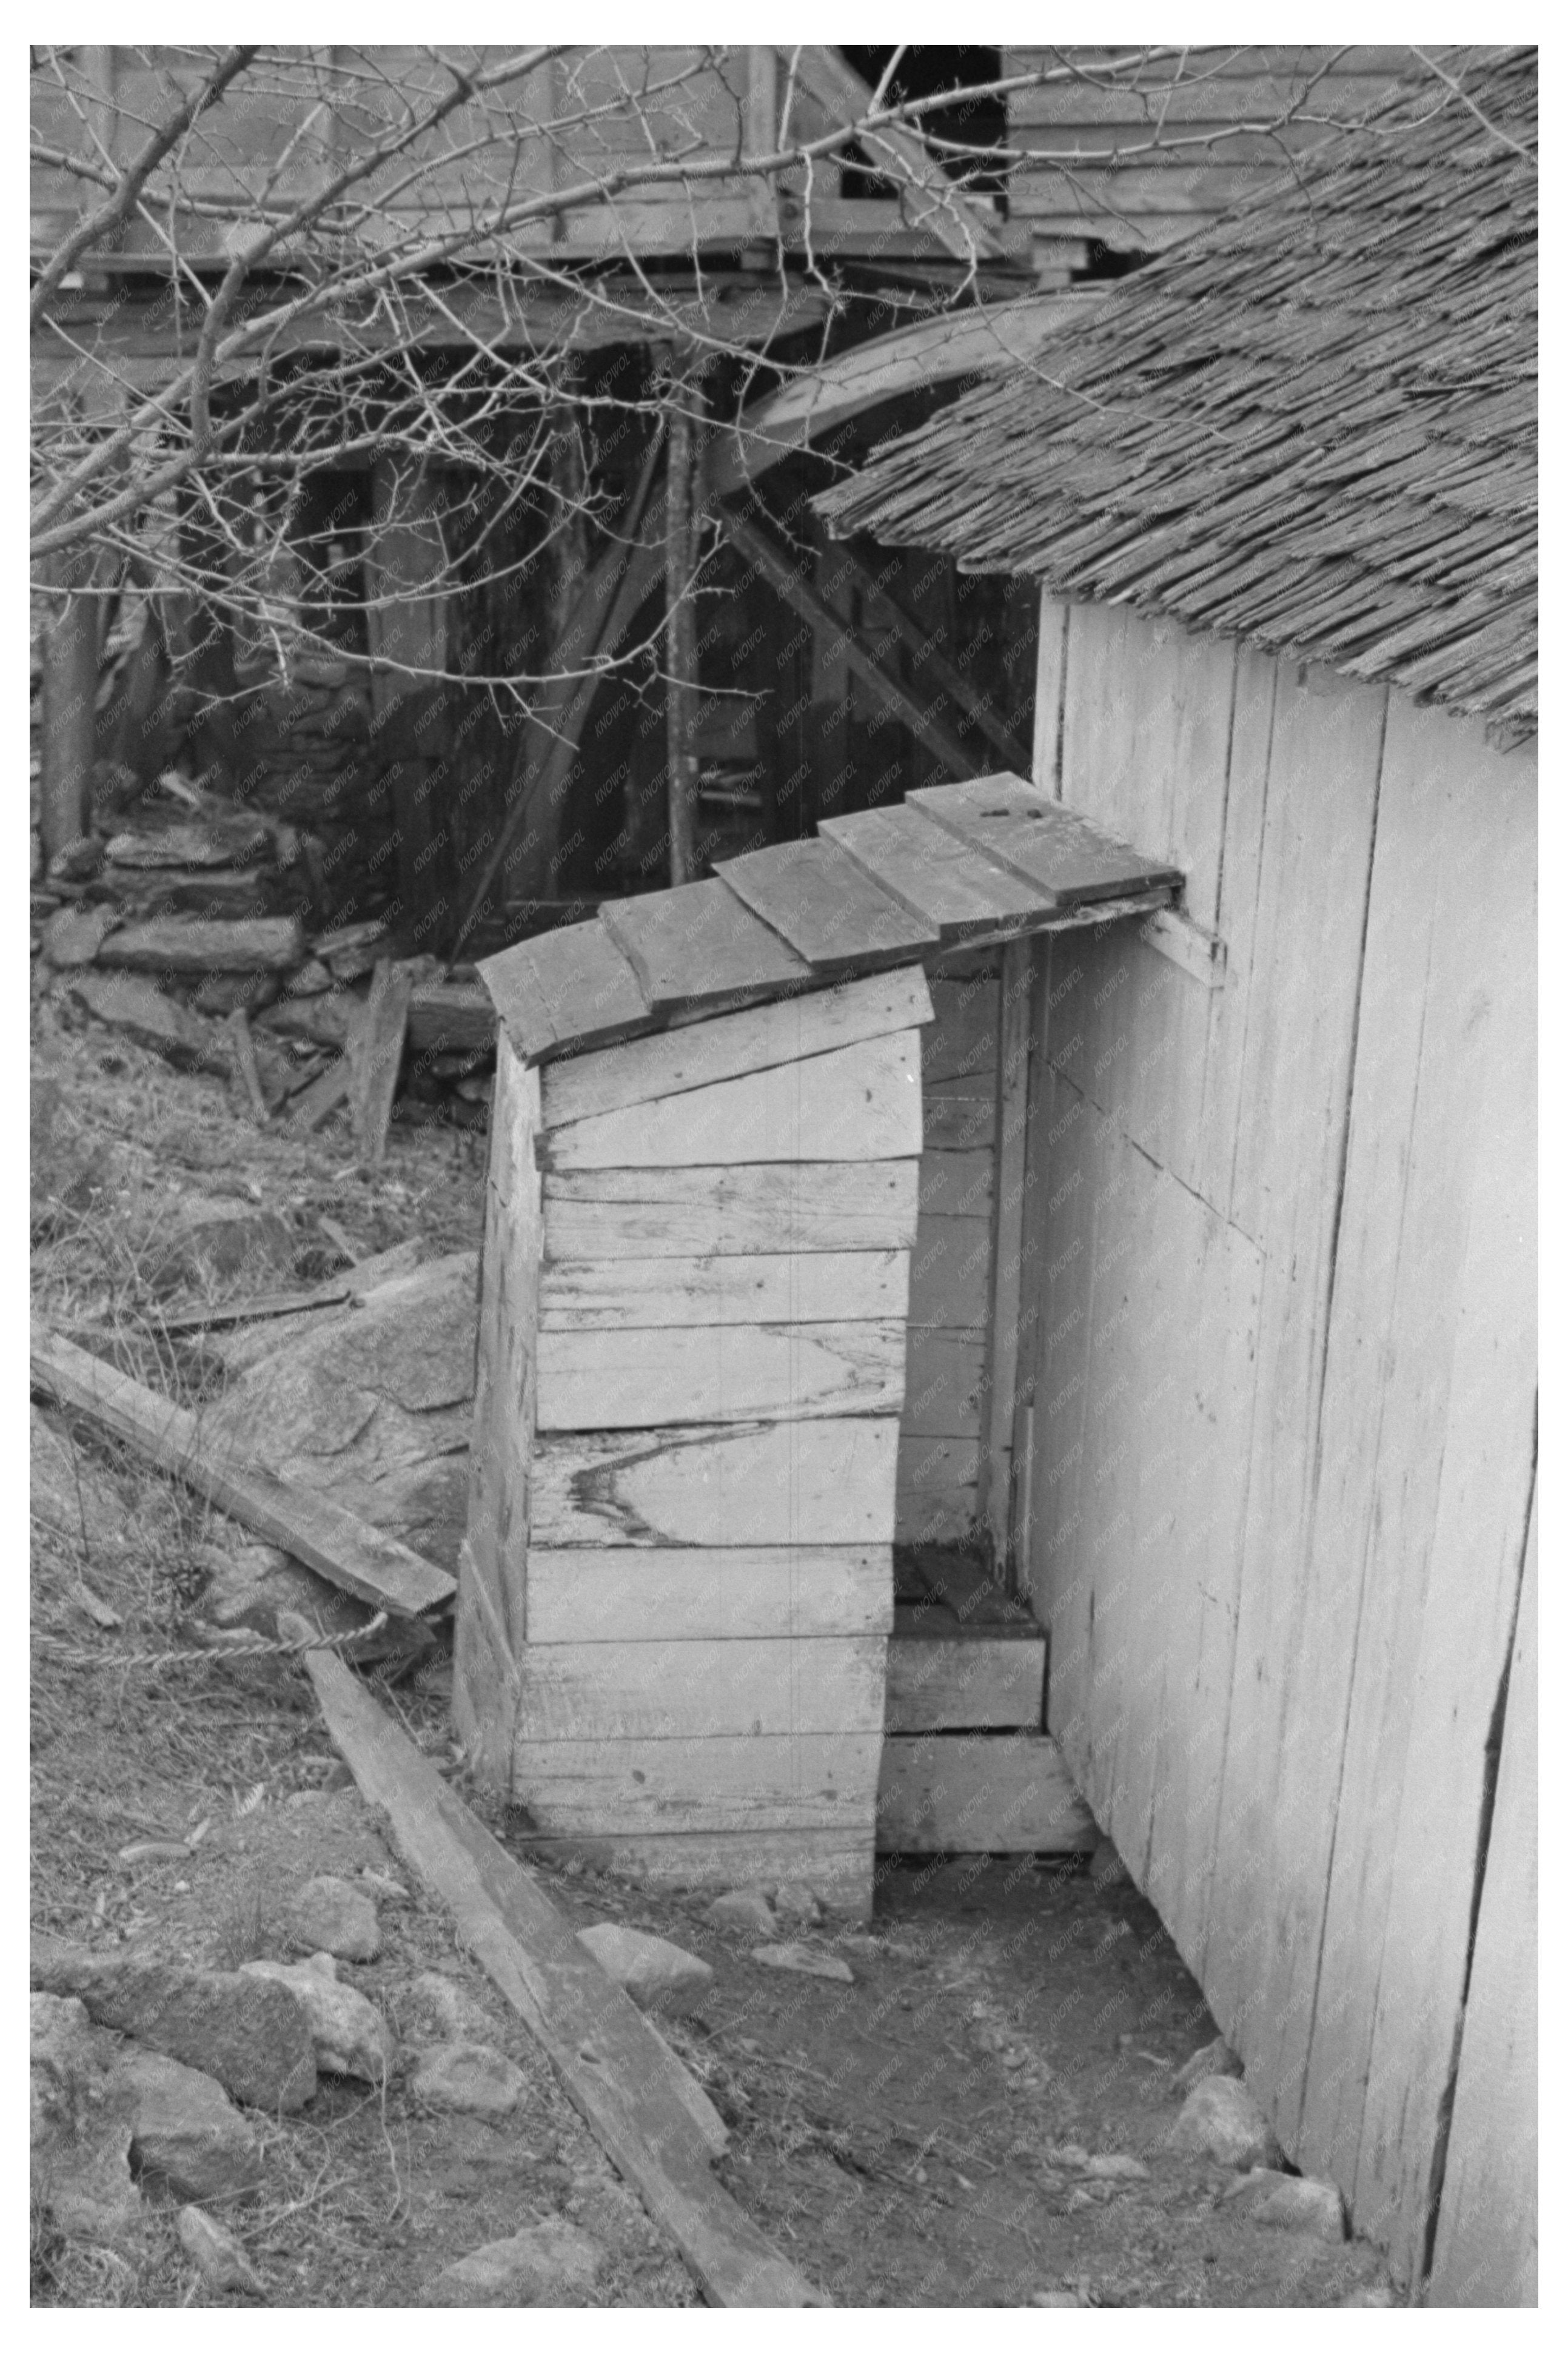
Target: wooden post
<point>681,517</point>
<point>998,1500</point>
<point>70,686</point>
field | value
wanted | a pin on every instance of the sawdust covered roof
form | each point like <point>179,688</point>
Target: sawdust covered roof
<point>1313,426</point>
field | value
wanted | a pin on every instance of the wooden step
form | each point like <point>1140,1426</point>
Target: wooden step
<point>979,1793</point>
<point>945,1675</point>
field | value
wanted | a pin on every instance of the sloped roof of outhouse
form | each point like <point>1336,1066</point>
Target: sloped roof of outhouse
<point>989,859</point>
<point>1312,426</point>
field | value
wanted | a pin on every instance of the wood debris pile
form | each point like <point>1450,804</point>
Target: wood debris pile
<point>183,921</point>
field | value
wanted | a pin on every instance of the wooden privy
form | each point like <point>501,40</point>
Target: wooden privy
<point>748,1322</point>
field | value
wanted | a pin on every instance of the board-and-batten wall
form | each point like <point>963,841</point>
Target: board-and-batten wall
<point>1278,1345</point>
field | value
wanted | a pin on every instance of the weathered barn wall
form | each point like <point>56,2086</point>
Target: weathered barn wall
<point>1278,1349</point>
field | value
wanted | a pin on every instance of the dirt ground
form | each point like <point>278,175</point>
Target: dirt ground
<point>915,2139</point>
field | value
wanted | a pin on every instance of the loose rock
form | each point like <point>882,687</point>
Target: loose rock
<point>439,2010</point>
<point>216,2254</point>
<point>657,1974</point>
<point>81,2117</point>
<point>187,2135</point>
<point>1054,2299</point>
<point>205,1239</point>
<point>1378,2293</point>
<point>349,2035</point>
<point>551,2263</point>
<point>254,2038</point>
<point>469,2079</point>
<point>73,935</point>
<point>1221,2119</point>
<point>1114,2167</point>
<point>333,1915</point>
<point>744,1907</point>
<point>794,1901</point>
<point>1309,2205</point>
<point>1216,2057</point>
<point>805,1960</point>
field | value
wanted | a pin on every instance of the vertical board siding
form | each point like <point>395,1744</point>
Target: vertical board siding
<point>953,1271</point>
<point>1487,2247</point>
<point>1277,1340</point>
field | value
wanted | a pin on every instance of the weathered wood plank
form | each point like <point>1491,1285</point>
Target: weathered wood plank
<point>315,1105</point>
<point>375,1057</point>
<point>619,1294</point>
<point>926,1513</point>
<point>645,1378</point>
<point>625,2081</point>
<point>797,1205</point>
<point>336,1544</point>
<point>998,1793</point>
<point>861,1103</point>
<point>1040,840</point>
<point>837,1866</point>
<point>957,1184</point>
<point>450,1018</point>
<point>946,883</point>
<point>725,1782</point>
<point>484,1678</point>
<point>942,1675</point>
<point>732,1045</point>
<point>829,910</point>
<point>1448,1515</point>
<point>945,1383</point>
<point>949,1275</point>
<point>810,1483</point>
<point>721,1593</point>
<point>698,1690</point>
<point>963,1037</point>
<point>700,943</point>
<point>1002,1366</point>
<point>188,943</point>
<point>960,1114</point>
<point>238,1029</point>
<point>568,988</point>
<point>1487,2250</point>
<point>506,1366</point>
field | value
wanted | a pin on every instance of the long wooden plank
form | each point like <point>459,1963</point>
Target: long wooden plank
<point>861,1103</point>
<point>338,1545</point>
<point>568,988</point>
<point>626,1786</point>
<point>505,1391</point>
<point>728,1047</point>
<point>623,2079</point>
<point>1002,1369</point>
<point>829,910</point>
<point>798,1206</point>
<point>945,882</point>
<point>619,1294</point>
<point>650,1379</point>
<point>1046,843</point>
<point>810,1483</point>
<point>837,1865</point>
<point>1486,2248</point>
<point>998,1793</point>
<point>942,1675</point>
<point>375,1056</point>
<point>721,1593</point>
<point>700,943</point>
<point>683,1690</point>
<point>313,1107</point>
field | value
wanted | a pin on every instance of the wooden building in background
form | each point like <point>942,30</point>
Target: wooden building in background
<point>1276,1393</point>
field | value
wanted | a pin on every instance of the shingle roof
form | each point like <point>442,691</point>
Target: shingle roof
<point>1313,426</point>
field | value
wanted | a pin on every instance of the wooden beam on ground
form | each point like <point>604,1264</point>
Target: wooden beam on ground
<point>375,1057</point>
<point>317,1102</point>
<point>654,2124</point>
<point>338,1545</point>
<point>775,563</point>
<point>239,1029</point>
